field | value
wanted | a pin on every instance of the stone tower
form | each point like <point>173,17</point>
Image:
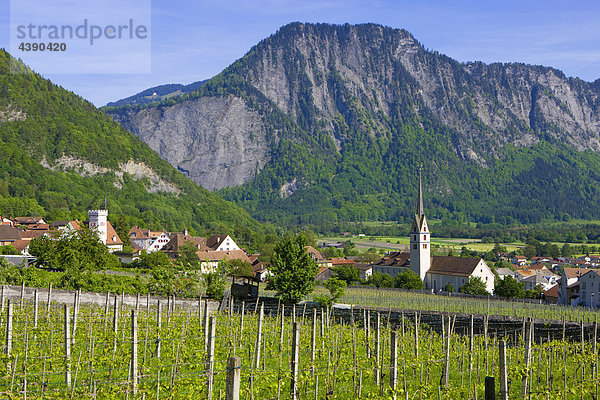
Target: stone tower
<point>98,219</point>
<point>420,237</point>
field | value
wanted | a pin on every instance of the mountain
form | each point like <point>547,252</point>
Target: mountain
<point>321,123</point>
<point>156,94</point>
<point>61,157</point>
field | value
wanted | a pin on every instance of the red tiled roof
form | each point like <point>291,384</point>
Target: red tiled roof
<point>111,235</point>
<point>137,233</point>
<point>20,245</point>
<point>341,261</point>
<point>552,292</point>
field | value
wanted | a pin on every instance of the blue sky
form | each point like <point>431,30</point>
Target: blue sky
<point>194,40</point>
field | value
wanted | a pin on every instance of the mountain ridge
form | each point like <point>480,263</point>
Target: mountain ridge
<point>349,111</point>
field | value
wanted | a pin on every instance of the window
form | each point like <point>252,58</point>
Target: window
<point>424,245</point>
<point>424,237</point>
<point>424,229</point>
<point>415,237</point>
<point>415,246</point>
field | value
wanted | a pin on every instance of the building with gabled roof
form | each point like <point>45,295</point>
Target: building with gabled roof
<point>28,220</point>
<point>589,289</point>
<point>9,234</point>
<point>393,263</point>
<point>222,243</point>
<point>209,260</point>
<point>568,290</point>
<point>145,239</point>
<point>179,239</point>
<point>315,254</point>
<point>6,221</point>
<point>457,271</point>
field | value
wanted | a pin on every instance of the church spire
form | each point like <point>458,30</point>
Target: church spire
<point>420,210</point>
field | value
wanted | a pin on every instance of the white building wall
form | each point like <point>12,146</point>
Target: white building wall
<point>487,276</point>
<point>228,245</point>
<point>420,250</point>
<point>97,222</point>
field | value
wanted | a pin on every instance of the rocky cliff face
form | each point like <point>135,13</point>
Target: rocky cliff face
<point>216,141</point>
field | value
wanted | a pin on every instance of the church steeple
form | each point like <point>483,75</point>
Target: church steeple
<point>420,256</point>
<point>420,210</point>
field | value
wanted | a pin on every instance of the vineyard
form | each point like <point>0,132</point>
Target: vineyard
<point>157,350</point>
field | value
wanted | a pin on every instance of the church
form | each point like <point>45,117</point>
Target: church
<point>437,272</point>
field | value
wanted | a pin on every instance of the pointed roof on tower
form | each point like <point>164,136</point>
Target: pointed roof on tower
<point>419,219</point>
<point>420,210</point>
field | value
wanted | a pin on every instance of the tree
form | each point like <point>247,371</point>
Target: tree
<point>567,250</point>
<point>529,251</point>
<point>187,255</point>
<point>239,267</point>
<point>336,290</point>
<point>155,260</point>
<point>499,249</point>
<point>475,286</point>
<point>293,270</point>
<point>9,249</point>
<point>509,287</point>
<point>347,273</point>
<point>215,281</point>
<point>408,279</point>
<point>449,288</point>
<point>379,279</point>
<point>73,252</point>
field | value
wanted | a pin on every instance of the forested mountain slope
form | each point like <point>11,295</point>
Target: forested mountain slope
<point>60,156</point>
<point>319,123</point>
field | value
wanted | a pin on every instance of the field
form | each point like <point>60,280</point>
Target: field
<point>115,351</point>
<point>401,242</point>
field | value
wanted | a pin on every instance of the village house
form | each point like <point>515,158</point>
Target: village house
<point>519,260</point>
<point>209,260</point>
<point>569,288</point>
<point>366,270</point>
<point>504,272</point>
<point>222,243</point>
<point>6,221</point>
<point>179,239</point>
<point>145,239</point>
<point>457,271</point>
<point>28,221</point>
<point>589,289</point>
<point>392,263</point>
<point>8,235</point>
